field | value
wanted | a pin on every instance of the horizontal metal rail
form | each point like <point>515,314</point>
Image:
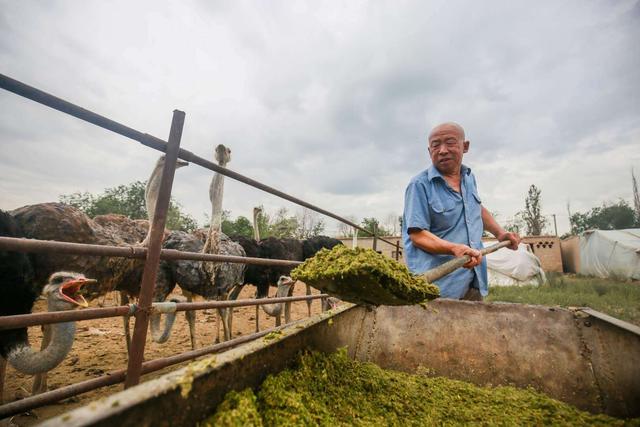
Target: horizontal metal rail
<point>59,104</point>
<point>33,319</point>
<point>118,376</point>
<point>52,246</point>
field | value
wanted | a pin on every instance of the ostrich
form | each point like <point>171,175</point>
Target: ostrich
<point>212,281</point>
<point>128,272</point>
<point>227,278</point>
<point>264,276</point>
<point>18,293</point>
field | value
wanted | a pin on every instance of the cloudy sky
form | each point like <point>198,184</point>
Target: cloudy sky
<point>328,101</point>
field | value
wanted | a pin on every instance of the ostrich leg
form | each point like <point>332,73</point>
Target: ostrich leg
<point>287,307</point>
<point>257,318</point>
<point>235,293</point>
<point>190,315</point>
<point>308,301</point>
<point>40,380</point>
<point>3,374</point>
<point>124,300</point>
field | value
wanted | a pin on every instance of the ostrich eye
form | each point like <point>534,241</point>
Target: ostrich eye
<point>57,280</point>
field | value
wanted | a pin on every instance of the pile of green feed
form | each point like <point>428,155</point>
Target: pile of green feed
<point>364,276</point>
<point>334,390</point>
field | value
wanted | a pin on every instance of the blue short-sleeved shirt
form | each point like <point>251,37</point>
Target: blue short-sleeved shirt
<point>431,204</point>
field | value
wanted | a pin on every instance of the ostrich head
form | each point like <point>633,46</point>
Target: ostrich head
<point>63,290</point>
<point>179,163</point>
<point>223,155</point>
<point>285,280</point>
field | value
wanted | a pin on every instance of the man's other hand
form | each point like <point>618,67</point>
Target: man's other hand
<point>514,238</point>
<point>462,250</point>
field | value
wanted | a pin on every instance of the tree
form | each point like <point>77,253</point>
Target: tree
<point>241,226</point>
<point>531,215</point>
<point>614,216</point>
<point>127,200</point>
<point>309,224</point>
<point>345,230</point>
<point>371,223</point>
<point>392,224</point>
<point>283,225</point>
<point>515,224</point>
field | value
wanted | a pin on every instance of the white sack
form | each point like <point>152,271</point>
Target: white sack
<point>514,268</point>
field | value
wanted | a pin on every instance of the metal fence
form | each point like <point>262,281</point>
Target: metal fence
<point>152,255</point>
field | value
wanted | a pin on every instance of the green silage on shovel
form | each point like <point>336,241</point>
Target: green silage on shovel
<point>364,276</point>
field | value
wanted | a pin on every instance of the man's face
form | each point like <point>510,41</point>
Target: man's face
<point>446,147</point>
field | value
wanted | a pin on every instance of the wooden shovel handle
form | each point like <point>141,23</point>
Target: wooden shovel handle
<point>451,266</point>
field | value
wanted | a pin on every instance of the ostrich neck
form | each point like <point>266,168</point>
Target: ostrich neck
<point>158,334</point>
<point>26,360</point>
<point>256,230</point>
<point>151,192</point>
<point>151,198</point>
<point>216,193</point>
<point>276,309</point>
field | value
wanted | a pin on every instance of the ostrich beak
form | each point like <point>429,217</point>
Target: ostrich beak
<point>180,163</point>
<point>70,289</point>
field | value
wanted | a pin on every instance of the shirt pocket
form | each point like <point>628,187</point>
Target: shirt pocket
<point>443,214</point>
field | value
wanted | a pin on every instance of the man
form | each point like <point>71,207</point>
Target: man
<point>444,218</point>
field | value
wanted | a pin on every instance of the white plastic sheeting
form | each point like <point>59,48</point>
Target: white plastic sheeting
<point>514,268</point>
<point>610,253</point>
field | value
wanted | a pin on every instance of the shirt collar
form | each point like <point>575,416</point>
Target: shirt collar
<point>433,172</point>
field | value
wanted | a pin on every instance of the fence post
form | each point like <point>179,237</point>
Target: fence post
<point>375,236</point>
<point>134,367</point>
<point>397,250</point>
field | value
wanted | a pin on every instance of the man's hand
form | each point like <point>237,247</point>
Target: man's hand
<point>459,250</point>
<point>514,238</point>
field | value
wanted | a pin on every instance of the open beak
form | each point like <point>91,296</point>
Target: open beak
<point>70,291</point>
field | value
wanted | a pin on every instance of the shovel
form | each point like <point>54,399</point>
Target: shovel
<point>451,266</point>
<point>367,283</point>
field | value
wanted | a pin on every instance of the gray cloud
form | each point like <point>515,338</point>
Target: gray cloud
<point>329,102</point>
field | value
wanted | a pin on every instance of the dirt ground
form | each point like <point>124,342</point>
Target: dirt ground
<point>100,347</point>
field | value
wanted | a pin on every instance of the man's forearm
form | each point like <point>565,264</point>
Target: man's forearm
<point>431,243</point>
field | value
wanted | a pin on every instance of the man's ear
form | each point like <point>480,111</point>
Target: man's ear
<point>465,146</point>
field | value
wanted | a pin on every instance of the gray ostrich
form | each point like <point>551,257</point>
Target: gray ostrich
<point>61,293</point>
<point>128,272</point>
<point>285,286</point>
<point>227,278</point>
<point>211,280</point>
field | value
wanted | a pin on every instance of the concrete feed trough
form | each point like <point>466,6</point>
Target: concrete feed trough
<point>581,357</point>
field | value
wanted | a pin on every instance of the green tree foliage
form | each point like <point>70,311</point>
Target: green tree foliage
<point>283,225</point>
<point>532,215</point>
<point>615,216</point>
<point>241,226</point>
<point>303,225</point>
<point>127,200</point>
<point>370,224</point>
<point>310,224</point>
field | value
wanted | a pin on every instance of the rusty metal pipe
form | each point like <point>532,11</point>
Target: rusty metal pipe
<point>151,141</point>
<point>51,246</point>
<point>115,377</point>
<point>45,318</point>
<point>156,235</point>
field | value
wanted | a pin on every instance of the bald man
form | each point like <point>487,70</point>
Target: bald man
<point>444,217</point>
